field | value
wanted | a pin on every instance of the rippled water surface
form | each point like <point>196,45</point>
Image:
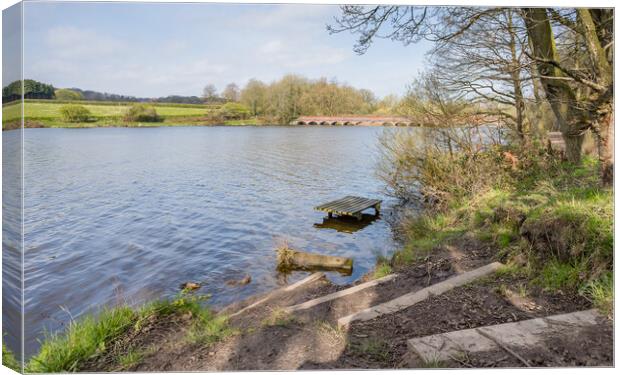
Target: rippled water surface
<point>126,215</point>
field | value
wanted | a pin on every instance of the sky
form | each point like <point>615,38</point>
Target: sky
<point>159,49</point>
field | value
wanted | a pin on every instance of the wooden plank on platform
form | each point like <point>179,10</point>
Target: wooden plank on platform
<point>349,206</point>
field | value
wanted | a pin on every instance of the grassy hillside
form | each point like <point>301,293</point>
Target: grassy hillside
<point>47,113</point>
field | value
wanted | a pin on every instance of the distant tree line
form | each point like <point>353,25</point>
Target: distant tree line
<point>104,96</point>
<point>292,96</point>
<point>39,90</point>
<point>279,101</point>
<point>32,90</point>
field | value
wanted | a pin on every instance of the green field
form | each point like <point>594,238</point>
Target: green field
<point>39,110</point>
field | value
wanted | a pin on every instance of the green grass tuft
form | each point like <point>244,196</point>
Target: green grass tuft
<point>556,275</point>
<point>82,340</point>
<point>130,359</point>
<point>433,363</point>
<point>381,270</point>
<point>375,348</point>
<point>94,335</point>
<point>601,292</point>
<point>209,328</point>
<point>8,359</point>
<point>279,317</point>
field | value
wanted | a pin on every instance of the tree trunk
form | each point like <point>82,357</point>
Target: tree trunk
<point>559,94</point>
<point>604,124</point>
<point>597,53</point>
<point>606,148</point>
<point>515,74</point>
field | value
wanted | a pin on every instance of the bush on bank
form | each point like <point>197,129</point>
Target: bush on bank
<point>141,113</point>
<point>233,111</point>
<point>74,113</point>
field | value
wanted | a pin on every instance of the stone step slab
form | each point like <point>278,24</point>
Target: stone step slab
<point>313,277</point>
<point>411,299</point>
<point>339,294</point>
<point>518,335</point>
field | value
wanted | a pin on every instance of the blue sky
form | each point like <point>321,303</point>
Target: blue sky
<point>155,49</point>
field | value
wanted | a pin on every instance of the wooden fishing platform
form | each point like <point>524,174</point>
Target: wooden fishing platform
<point>350,206</point>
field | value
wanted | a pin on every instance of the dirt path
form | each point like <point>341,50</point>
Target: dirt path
<point>268,339</point>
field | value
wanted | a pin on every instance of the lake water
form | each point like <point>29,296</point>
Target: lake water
<point>125,215</point>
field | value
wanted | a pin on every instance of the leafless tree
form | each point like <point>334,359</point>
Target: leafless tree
<point>231,92</point>
<point>209,93</point>
<point>497,54</point>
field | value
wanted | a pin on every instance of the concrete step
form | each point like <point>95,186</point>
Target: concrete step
<point>411,299</point>
<point>339,294</point>
<point>509,337</point>
<point>313,277</point>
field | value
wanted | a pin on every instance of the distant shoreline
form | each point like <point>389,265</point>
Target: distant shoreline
<point>46,114</point>
<point>33,124</point>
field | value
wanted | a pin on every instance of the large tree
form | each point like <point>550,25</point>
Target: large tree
<point>485,61</point>
<point>231,92</point>
<point>579,87</point>
<point>478,52</point>
<point>254,95</point>
<point>577,79</point>
<point>209,93</point>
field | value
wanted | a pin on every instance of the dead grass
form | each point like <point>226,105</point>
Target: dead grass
<point>334,334</point>
<point>278,317</point>
<point>284,255</point>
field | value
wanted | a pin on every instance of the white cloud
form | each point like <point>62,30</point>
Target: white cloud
<point>290,55</point>
<point>271,47</point>
<point>79,44</point>
<point>201,45</point>
<point>284,17</point>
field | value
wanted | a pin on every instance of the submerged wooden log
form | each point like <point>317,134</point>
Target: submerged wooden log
<point>289,259</point>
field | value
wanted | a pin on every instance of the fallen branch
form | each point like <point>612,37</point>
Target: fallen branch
<point>501,345</point>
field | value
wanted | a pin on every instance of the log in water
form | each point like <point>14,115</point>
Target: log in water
<point>299,260</point>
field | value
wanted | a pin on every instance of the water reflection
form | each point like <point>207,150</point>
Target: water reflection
<point>285,274</point>
<point>346,224</point>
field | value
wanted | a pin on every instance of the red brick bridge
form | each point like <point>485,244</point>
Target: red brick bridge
<point>354,120</point>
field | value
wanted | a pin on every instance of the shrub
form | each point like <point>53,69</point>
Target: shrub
<point>142,113</point>
<point>233,111</point>
<point>438,166</point>
<point>66,94</point>
<point>74,113</point>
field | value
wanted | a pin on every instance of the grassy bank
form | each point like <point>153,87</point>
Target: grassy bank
<point>8,359</point>
<point>117,337</point>
<point>46,113</point>
<point>550,221</point>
